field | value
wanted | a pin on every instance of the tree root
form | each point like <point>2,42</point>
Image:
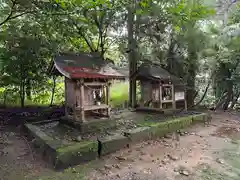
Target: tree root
<point>29,147</point>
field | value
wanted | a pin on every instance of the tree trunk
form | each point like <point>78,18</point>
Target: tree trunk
<point>28,89</point>
<point>170,57</point>
<point>53,90</point>
<point>5,98</point>
<point>131,55</point>
<point>101,41</point>
<point>235,100</point>
<point>204,94</point>
<point>191,85</point>
<point>228,99</point>
<point>221,101</point>
<point>22,93</point>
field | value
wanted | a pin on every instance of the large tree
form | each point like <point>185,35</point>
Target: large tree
<point>25,55</point>
<point>173,29</point>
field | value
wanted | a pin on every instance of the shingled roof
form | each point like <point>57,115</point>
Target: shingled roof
<point>84,65</point>
<point>154,71</point>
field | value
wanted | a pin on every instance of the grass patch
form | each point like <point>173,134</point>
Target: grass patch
<point>118,93</point>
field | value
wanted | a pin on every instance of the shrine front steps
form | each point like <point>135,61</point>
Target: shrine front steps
<point>64,156</point>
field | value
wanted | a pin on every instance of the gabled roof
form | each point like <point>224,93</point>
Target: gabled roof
<point>123,70</point>
<point>154,71</point>
<point>84,65</point>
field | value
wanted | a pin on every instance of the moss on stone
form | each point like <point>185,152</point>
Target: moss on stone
<point>145,123</point>
<point>76,154</point>
<point>98,126</point>
<point>139,134</point>
<point>113,143</point>
<point>159,129</point>
<point>200,117</point>
<point>87,150</point>
<point>84,146</point>
<point>36,132</point>
<point>175,124</point>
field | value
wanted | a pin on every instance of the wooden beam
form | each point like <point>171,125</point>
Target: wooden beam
<point>167,101</point>
<point>166,85</point>
<point>95,84</point>
<point>179,100</point>
<point>148,109</point>
<point>93,107</point>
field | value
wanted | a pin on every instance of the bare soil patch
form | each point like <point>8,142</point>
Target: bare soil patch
<point>198,154</point>
<point>17,160</point>
<point>228,131</point>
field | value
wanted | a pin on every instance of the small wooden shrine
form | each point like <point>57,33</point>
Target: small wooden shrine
<point>159,89</point>
<point>87,84</point>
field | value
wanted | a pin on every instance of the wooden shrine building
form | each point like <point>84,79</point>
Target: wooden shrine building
<point>159,89</point>
<point>87,83</point>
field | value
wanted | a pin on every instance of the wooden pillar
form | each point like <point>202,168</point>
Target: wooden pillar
<point>160,95</point>
<point>173,97</point>
<point>82,114</point>
<point>142,93</point>
<point>108,98</point>
<point>185,99</point>
<point>104,92</point>
<point>74,102</point>
<point>65,97</point>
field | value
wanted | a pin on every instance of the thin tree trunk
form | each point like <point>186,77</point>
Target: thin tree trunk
<point>226,103</point>
<point>204,94</point>
<point>221,101</point>
<point>170,56</point>
<point>191,84</point>
<point>101,39</point>
<point>22,93</point>
<point>131,55</point>
<point>192,57</point>
<point>5,98</point>
<point>229,95</point>
<point>235,101</point>
<point>195,95</point>
<point>53,90</point>
<point>28,89</point>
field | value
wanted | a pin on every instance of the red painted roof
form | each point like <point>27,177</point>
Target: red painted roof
<point>85,66</point>
<point>78,72</point>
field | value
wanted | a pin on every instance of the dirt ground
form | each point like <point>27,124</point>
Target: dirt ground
<point>201,152</point>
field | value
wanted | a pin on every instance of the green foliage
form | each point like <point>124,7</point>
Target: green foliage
<point>175,34</point>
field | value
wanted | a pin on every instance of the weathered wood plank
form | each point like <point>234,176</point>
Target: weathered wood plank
<point>94,107</point>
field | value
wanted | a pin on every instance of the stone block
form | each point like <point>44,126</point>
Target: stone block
<point>98,125</point>
<point>139,134</point>
<point>62,156</point>
<point>200,117</point>
<point>113,143</point>
<point>76,154</point>
<point>159,130</point>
